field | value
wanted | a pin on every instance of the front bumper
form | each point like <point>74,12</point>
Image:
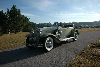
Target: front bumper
<point>27,44</point>
<point>34,41</point>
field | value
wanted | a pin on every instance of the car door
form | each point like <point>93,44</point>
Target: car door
<point>66,31</point>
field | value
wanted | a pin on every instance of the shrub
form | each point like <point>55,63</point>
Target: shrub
<point>1,32</point>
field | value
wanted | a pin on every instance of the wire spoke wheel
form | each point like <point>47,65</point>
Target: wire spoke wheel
<point>75,36</point>
<point>48,44</point>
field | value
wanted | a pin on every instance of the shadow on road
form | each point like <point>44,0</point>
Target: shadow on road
<point>19,54</point>
<point>22,53</point>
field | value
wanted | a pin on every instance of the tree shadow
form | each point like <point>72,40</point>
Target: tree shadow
<point>19,54</point>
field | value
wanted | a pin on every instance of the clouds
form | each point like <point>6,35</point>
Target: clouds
<point>27,14</point>
<point>79,8</point>
<point>43,5</point>
<point>99,5</point>
<point>3,10</point>
<point>49,5</point>
<point>65,9</point>
<point>56,10</point>
<point>30,15</point>
<point>40,4</point>
<point>24,7</point>
<point>77,15</point>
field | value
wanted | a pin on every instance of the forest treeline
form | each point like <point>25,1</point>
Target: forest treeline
<point>13,20</point>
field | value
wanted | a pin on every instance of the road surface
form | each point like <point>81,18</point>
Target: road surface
<point>57,57</point>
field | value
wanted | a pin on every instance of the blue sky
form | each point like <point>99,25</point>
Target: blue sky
<point>44,11</point>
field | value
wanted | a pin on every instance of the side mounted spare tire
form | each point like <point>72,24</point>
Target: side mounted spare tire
<point>48,44</point>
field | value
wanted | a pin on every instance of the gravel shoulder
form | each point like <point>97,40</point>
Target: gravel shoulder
<point>58,57</point>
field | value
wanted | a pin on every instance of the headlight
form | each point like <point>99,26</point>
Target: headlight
<point>31,33</point>
<point>40,30</point>
<point>37,32</point>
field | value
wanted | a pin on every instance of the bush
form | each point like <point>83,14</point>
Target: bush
<point>1,32</point>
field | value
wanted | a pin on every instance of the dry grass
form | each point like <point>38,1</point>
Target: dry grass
<point>84,30</point>
<point>89,57</point>
<point>12,40</point>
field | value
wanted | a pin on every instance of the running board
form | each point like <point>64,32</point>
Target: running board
<point>66,39</point>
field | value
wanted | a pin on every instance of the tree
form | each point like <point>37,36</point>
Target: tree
<point>0,31</point>
<point>3,21</point>
<point>15,20</point>
<point>33,25</point>
<point>27,25</point>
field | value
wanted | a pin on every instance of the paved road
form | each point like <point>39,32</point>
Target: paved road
<point>58,57</point>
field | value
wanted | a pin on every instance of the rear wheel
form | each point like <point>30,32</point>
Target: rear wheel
<point>75,36</point>
<point>48,44</point>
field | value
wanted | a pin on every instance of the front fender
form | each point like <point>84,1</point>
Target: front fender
<point>56,40</point>
<point>28,35</point>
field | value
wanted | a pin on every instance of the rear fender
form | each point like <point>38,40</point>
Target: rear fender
<point>77,31</point>
<point>73,31</point>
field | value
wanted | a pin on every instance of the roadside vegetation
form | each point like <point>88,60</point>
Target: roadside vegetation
<point>13,40</point>
<point>13,21</point>
<point>89,57</point>
<point>84,30</point>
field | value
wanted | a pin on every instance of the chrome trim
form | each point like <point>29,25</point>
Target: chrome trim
<point>40,30</point>
<point>67,39</point>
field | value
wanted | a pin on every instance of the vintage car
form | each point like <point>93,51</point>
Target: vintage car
<point>48,36</point>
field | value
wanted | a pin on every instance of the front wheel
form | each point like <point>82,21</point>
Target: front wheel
<point>75,36</point>
<point>48,44</point>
